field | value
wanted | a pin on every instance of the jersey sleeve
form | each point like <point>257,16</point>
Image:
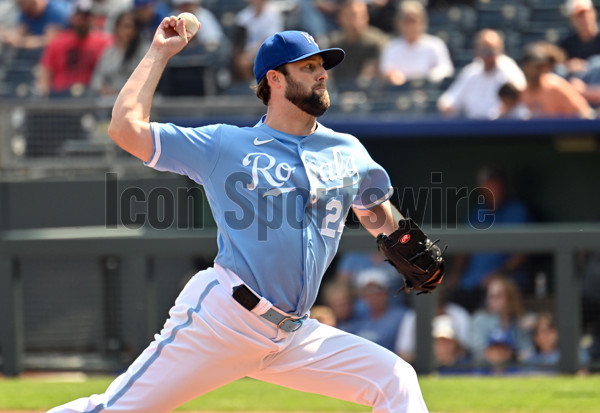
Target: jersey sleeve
<point>193,152</point>
<point>375,187</point>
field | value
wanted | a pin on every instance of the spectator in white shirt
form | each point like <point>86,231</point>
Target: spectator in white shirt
<point>415,54</point>
<point>474,93</point>
<point>259,20</point>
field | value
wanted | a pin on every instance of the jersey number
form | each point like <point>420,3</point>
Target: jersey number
<point>332,222</point>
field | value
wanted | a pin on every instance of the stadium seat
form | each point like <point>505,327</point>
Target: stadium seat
<point>17,75</point>
<point>493,4</point>
<point>546,3</point>
<point>535,34</point>
<point>509,16</point>
<point>19,82</point>
<point>461,58</point>
<point>454,39</point>
<point>513,41</point>
<point>462,17</point>
<point>548,17</point>
<point>229,6</point>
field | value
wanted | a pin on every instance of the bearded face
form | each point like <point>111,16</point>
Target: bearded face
<point>315,101</point>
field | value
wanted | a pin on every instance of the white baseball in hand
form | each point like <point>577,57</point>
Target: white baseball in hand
<point>192,25</point>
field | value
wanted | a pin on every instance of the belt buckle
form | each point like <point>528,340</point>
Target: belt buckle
<point>290,324</point>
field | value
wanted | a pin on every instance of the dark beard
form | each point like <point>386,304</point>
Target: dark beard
<point>310,102</point>
<point>81,31</point>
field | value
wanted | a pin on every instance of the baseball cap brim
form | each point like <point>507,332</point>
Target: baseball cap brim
<point>331,57</point>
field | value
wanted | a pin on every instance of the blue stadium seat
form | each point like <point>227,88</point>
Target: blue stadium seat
<point>512,39</point>
<point>438,17</point>
<point>509,16</point>
<point>493,4</point>
<point>212,5</point>
<point>18,71</point>
<point>535,34</point>
<point>548,17</point>
<point>461,59</point>
<point>454,39</point>
<point>461,17</point>
<point>19,82</point>
<point>546,3</point>
<point>229,6</point>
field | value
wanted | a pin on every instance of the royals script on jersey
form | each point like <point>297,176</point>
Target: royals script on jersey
<point>280,201</point>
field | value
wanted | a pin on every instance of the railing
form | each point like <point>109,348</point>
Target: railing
<point>133,247</point>
<point>46,136</point>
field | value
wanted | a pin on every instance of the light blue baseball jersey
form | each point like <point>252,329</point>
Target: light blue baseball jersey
<point>280,201</point>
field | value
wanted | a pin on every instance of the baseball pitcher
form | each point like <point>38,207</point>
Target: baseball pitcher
<point>280,193</point>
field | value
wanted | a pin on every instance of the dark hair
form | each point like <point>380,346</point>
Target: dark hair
<point>508,90</point>
<point>263,90</point>
<point>542,52</point>
<point>135,41</point>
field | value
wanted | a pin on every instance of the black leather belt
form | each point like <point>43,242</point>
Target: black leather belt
<point>249,300</point>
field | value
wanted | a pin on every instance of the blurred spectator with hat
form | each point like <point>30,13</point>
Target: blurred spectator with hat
<point>584,40</point>
<point>149,14</point>
<point>547,94</point>
<point>384,319</point>
<point>474,92</point>
<point>451,329</point>
<point>106,11</point>
<point>415,54</point>
<point>69,60</point>
<point>448,348</point>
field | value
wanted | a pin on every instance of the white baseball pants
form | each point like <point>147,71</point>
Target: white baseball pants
<point>210,340</point>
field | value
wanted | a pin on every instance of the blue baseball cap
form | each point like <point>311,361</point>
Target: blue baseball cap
<point>291,46</point>
<point>501,337</point>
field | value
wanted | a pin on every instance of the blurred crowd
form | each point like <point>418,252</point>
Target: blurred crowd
<point>479,59</point>
<point>482,59</point>
<point>494,312</point>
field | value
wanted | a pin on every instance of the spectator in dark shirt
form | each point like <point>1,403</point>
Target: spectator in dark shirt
<point>149,14</point>
<point>471,273</point>
<point>584,41</point>
<point>362,43</point>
